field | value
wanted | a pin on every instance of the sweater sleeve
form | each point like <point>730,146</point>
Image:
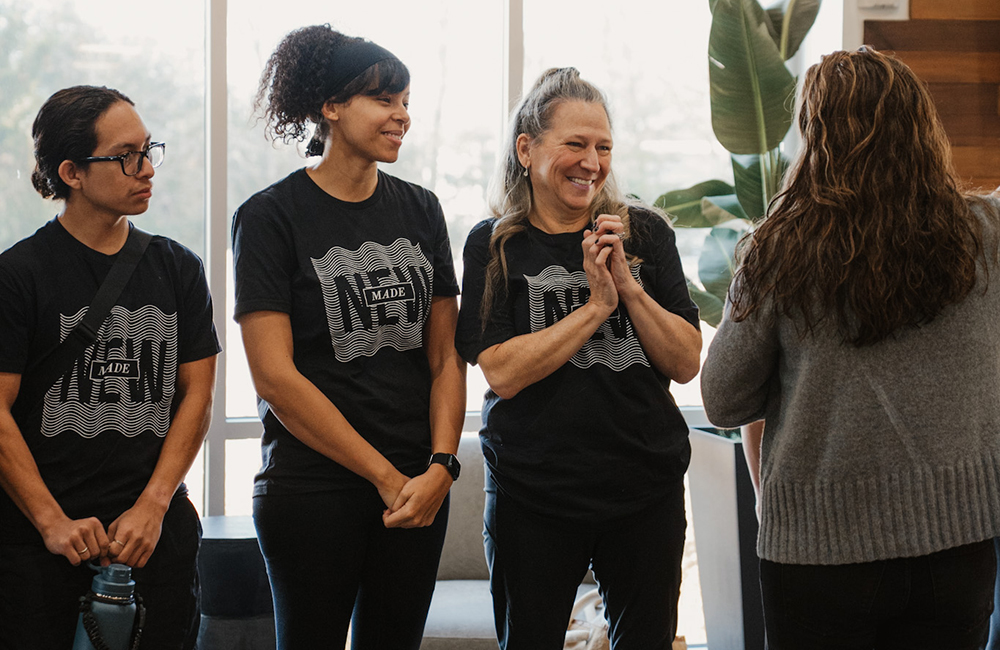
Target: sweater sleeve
<point>740,370</point>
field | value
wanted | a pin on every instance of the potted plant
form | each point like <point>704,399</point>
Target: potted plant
<point>752,100</point>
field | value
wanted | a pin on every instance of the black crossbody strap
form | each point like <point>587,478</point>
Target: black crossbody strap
<point>37,382</point>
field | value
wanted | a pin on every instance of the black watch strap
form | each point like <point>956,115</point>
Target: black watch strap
<point>450,462</point>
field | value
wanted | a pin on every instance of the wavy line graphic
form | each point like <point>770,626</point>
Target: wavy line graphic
<point>140,349</point>
<point>377,296</point>
<point>555,292</point>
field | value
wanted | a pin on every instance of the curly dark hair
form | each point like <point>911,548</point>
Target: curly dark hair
<point>292,89</point>
<point>871,228</point>
<point>64,129</point>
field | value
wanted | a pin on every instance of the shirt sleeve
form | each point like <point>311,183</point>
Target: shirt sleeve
<point>15,327</point>
<point>471,338</point>
<point>739,371</point>
<point>445,281</point>
<point>198,338</point>
<point>263,258</point>
<point>668,277</point>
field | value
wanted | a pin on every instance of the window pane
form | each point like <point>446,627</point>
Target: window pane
<point>242,464</point>
<point>155,56</point>
<point>453,50</point>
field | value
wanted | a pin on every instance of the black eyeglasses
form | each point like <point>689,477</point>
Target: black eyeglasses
<point>131,161</point>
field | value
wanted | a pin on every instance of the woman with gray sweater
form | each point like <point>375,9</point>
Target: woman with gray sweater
<point>864,328</point>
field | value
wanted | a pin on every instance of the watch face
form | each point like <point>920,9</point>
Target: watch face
<point>450,463</point>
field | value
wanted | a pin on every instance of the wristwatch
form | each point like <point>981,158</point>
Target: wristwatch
<point>450,462</point>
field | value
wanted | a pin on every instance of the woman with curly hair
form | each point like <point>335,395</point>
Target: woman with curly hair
<point>576,309</point>
<point>346,299</point>
<point>862,329</point>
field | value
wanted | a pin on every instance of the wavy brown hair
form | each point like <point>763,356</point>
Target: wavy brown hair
<point>870,228</point>
<point>510,194</point>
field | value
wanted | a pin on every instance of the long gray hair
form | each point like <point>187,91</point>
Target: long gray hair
<point>510,192</point>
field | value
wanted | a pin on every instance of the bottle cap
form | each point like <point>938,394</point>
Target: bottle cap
<point>114,581</point>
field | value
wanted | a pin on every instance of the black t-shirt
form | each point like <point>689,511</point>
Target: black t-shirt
<point>600,437</point>
<point>356,280</point>
<point>97,436</point>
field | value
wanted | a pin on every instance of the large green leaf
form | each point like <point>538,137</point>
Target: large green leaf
<point>751,89</point>
<point>755,189</point>
<point>684,206</point>
<point>720,209</point>
<point>791,20</point>
<point>716,264</point>
<point>709,306</point>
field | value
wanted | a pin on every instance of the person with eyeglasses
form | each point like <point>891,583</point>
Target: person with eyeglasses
<point>92,463</point>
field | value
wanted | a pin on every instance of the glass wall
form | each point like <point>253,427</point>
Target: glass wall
<point>155,56</point>
<point>650,59</point>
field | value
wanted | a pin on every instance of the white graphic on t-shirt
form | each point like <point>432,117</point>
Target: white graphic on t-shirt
<point>376,296</point>
<point>555,293</point>
<point>124,382</point>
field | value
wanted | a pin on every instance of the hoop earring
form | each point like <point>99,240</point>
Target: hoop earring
<point>525,174</point>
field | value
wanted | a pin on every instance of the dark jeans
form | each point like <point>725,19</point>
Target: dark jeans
<point>941,600</point>
<point>537,563</point>
<point>994,642</point>
<point>331,562</point>
<point>40,592</point>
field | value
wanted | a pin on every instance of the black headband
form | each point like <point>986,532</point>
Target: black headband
<point>351,60</point>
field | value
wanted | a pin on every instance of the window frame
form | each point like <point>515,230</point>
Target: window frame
<point>218,219</point>
<point>217,225</point>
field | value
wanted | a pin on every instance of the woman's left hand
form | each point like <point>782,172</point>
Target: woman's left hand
<point>419,500</point>
<point>609,230</point>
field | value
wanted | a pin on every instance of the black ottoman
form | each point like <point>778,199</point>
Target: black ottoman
<point>236,608</point>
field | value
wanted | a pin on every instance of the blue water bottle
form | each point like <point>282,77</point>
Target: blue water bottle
<point>108,613</point>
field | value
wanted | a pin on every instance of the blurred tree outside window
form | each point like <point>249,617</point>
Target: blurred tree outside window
<point>155,56</point>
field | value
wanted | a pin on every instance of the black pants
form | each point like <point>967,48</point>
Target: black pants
<point>40,592</point>
<point>941,600</point>
<point>537,563</point>
<point>331,562</point>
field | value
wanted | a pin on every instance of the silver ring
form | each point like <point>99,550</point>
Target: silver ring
<point>85,550</point>
<point>119,543</point>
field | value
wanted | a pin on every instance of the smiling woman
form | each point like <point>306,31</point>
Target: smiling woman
<point>346,301</point>
<point>568,164</point>
<point>575,307</point>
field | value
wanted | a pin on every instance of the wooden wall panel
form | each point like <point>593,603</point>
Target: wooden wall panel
<point>934,35</point>
<point>955,47</point>
<point>960,67</point>
<point>962,10</point>
<point>982,161</point>
<point>966,99</point>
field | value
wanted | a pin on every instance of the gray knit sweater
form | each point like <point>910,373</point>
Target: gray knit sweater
<point>890,450</point>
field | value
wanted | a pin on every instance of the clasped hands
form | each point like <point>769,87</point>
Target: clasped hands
<point>414,502</point>
<point>129,540</point>
<point>605,264</point>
